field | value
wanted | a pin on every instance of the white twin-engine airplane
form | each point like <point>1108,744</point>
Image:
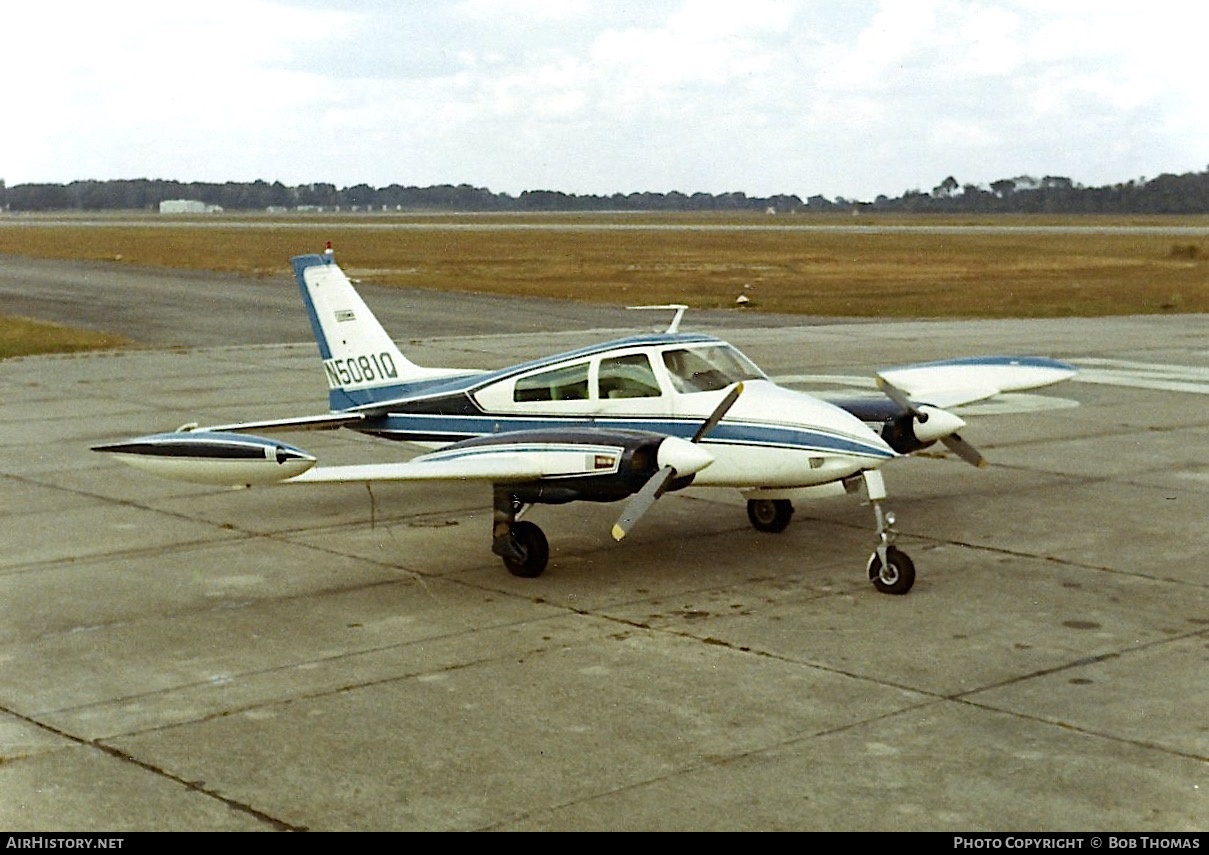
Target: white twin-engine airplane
<point>628,419</point>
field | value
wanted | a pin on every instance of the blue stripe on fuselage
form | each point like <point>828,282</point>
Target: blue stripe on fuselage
<point>436,428</point>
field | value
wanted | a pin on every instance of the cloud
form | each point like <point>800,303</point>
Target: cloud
<point>767,96</point>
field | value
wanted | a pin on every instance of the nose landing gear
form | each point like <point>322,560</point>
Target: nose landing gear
<point>890,569</point>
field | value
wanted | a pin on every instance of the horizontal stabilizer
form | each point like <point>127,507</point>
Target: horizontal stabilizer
<point>328,421</point>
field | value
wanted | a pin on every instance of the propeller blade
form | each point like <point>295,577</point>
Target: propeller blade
<point>964,450</point>
<point>642,501</point>
<point>719,411</point>
<point>899,397</point>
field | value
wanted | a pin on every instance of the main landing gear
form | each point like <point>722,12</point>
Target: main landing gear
<point>520,543</point>
<point>769,515</point>
<point>890,569</point>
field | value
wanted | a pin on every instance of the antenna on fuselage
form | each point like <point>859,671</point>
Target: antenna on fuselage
<point>680,309</point>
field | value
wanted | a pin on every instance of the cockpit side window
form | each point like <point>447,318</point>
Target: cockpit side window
<point>567,383</point>
<point>705,369</point>
<point>628,376</point>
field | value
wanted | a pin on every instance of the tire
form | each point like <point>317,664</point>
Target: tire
<point>532,542</point>
<point>769,515</point>
<point>897,577</point>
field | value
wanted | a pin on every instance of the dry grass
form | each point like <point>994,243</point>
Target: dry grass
<point>893,273</point>
<point>23,337</point>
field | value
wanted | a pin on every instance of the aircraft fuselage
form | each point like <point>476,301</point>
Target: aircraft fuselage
<point>667,385</point>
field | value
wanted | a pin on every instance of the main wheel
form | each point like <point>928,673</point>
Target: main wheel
<point>770,515</point>
<point>531,541</point>
<point>898,574</point>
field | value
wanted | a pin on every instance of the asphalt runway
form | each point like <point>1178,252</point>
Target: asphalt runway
<point>176,657</point>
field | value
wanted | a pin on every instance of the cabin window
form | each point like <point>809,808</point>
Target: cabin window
<point>568,383</point>
<point>705,369</point>
<point>628,377</point>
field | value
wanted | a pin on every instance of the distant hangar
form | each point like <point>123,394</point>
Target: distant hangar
<point>188,206</point>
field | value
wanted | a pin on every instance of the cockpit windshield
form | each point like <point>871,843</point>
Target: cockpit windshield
<point>708,367</point>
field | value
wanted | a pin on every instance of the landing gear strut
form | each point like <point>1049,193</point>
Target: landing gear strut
<point>520,543</point>
<point>890,569</point>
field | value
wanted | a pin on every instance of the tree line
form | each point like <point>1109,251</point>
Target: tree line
<point>1166,194</point>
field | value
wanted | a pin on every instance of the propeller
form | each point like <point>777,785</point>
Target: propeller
<point>677,457</point>
<point>952,440</point>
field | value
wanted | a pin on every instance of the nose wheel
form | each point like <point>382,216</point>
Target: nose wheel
<point>890,569</point>
<point>893,573</point>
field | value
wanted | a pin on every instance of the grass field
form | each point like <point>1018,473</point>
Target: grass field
<point>23,337</point>
<point>903,269</point>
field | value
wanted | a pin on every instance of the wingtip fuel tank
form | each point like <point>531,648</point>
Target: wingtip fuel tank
<point>212,457</point>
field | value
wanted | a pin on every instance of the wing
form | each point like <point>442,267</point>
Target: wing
<point>954,382</point>
<point>595,464</point>
<point>915,412</point>
<point>499,467</point>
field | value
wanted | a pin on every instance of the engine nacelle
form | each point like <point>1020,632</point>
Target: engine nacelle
<point>598,465</point>
<point>906,432</point>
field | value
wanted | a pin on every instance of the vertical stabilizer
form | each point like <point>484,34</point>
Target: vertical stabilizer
<point>362,363</point>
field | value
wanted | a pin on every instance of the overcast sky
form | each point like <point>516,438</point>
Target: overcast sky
<point>817,97</point>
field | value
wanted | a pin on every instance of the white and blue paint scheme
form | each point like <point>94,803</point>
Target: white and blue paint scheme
<point>627,419</point>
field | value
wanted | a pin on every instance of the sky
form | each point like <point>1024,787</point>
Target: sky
<point>849,99</point>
